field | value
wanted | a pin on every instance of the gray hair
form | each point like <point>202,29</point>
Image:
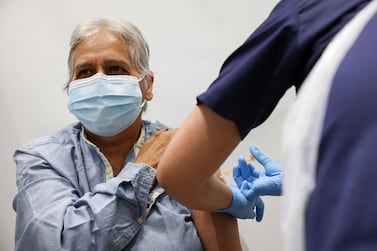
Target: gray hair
<point>138,46</point>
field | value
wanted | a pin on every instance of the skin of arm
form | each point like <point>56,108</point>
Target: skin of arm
<point>195,153</point>
<point>217,231</point>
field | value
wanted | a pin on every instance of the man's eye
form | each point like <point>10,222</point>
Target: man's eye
<point>84,73</point>
<point>116,70</point>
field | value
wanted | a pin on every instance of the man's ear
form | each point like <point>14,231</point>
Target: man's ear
<point>149,90</point>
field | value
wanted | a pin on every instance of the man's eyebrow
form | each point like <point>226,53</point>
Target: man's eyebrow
<point>117,62</point>
<point>82,65</point>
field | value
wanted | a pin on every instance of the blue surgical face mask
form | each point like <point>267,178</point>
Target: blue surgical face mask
<point>105,104</point>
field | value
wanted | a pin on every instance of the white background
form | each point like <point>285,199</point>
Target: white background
<point>189,40</point>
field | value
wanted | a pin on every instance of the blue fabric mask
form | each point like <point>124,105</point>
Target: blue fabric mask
<point>105,104</point>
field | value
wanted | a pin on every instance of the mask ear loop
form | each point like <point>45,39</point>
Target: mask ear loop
<point>143,104</point>
<point>142,76</point>
<point>143,84</point>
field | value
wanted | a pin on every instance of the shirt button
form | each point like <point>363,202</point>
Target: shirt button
<point>140,220</point>
<point>108,171</point>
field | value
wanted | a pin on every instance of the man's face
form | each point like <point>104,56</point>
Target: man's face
<point>103,53</point>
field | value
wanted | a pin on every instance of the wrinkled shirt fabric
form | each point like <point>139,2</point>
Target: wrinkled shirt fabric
<point>68,200</point>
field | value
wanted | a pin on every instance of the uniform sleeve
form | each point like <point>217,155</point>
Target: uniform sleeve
<point>52,215</point>
<point>277,55</point>
<point>256,75</point>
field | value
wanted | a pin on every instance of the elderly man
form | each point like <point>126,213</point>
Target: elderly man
<point>79,189</point>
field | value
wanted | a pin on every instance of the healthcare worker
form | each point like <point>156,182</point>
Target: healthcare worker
<point>337,207</point>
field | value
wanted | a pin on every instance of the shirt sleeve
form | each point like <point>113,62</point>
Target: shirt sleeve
<point>53,215</point>
<point>277,55</point>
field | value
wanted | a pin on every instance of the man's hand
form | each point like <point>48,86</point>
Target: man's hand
<point>152,150</point>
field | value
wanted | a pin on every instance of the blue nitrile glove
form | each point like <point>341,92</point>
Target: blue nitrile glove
<point>268,182</point>
<point>244,175</point>
<point>245,171</point>
<point>241,207</point>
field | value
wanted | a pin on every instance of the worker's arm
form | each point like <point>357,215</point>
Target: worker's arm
<point>197,150</point>
<point>191,158</point>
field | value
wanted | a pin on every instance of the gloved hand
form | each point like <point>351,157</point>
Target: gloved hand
<point>268,182</point>
<point>243,208</point>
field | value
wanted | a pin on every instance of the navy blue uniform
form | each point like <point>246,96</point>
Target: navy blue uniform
<point>342,208</point>
<point>278,55</point>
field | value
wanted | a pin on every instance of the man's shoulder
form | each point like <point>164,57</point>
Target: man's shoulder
<point>151,127</point>
<point>65,136</point>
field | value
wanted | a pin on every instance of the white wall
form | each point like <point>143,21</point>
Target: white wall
<point>189,40</point>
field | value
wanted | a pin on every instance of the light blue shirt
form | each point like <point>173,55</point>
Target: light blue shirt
<point>64,201</point>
